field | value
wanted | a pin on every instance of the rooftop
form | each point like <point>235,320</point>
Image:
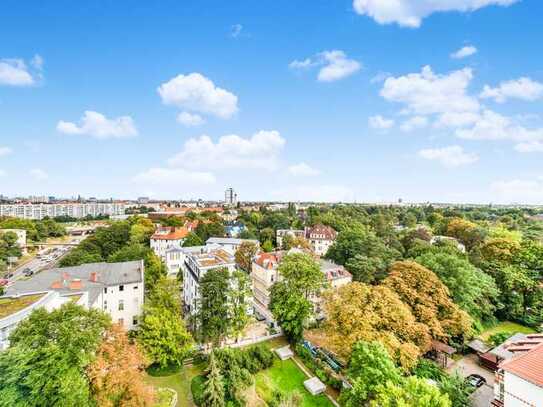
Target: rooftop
<point>332,270</point>
<point>213,258</point>
<point>170,233</point>
<point>528,364</point>
<point>229,240</point>
<point>11,305</point>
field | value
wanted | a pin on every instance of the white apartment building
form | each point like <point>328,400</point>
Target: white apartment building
<point>75,210</point>
<point>166,238</point>
<point>229,244</point>
<point>519,380</point>
<point>281,233</point>
<point>116,288</point>
<point>198,261</point>
<point>320,237</point>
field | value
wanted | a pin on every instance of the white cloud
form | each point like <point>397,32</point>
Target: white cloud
<point>189,119</point>
<point>38,174</point>
<point>409,13</point>
<point>197,93</point>
<point>413,123</point>
<point>14,72</point>
<point>494,126</point>
<point>522,88</point>
<point>451,156</point>
<point>379,122</point>
<point>530,147</point>
<point>303,170</point>
<point>456,119</point>
<point>235,30</point>
<point>519,190</point>
<point>5,151</point>
<point>335,65</point>
<point>174,178</point>
<point>464,52</point>
<point>260,151</point>
<point>338,66</point>
<point>97,125</point>
<point>380,77</point>
<point>37,62</point>
<point>427,93</point>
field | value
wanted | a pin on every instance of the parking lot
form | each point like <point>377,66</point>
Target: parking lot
<point>469,365</point>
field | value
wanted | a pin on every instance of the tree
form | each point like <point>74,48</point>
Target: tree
<point>239,295</point>
<point>370,365</point>
<point>163,334</point>
<point>244,255</point>
<point>472,289</point>
<point>192,240</point>
<point>413,392</point>
<point>116,376</point>
<point>213,314</point>
<point>45,364</point>
<point>359,312</point>
<point>469,233</point>
<point>267,246</point>
<point>141,230</point>
<point>214,386</point>
<point>429,300</point>
<point>290,298</point>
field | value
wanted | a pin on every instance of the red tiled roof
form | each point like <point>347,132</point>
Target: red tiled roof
<point>328,232</point>
<point>172,234</point>
<point>528,365</point>
<point>268,260</point>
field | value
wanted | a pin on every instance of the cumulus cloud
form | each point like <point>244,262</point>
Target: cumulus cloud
<point>194,92</point>
<point>334,65</point>
<point>451,156</point>
<point>174,177</point>
<point>464,52</point>
<point>189,119</point>
<point>303,170</point>
<point>5,151</point>
<point>456,119</point>
<point>38,174</point>
<point>260,151</point>
<point>522,88</point>
<point>410,13</point>
<point>427,93</point>
<point>97,125</point>
<point>413,123</point>
<point>380,123</point>
<point>519,190</point>
<point>530,147</point>
<point>15,72</point>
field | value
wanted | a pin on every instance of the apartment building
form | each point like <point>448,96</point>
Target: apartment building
<point>519,380</point>
<point>74,210</point>
<point>281,233</point>
<point>166,237</point>
<point>320,237</point>
<point>116,288</point>
<point>230,244</point>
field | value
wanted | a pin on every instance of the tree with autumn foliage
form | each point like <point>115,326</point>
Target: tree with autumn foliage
<point>429,300</point>
<point>116,375</point>
<point>359,312</point>
<point>467,232</point>
<point>244,255</point>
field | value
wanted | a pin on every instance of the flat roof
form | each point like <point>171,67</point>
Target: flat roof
<point>12,305</point>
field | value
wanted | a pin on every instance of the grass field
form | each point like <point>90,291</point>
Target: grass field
<point>505,326</point>
<point>180,382</point>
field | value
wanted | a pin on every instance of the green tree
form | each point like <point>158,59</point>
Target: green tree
<point>267,246</point>
<point>239,295</point>
<point>192,240</point>
<point>413,392</point>
<point>213,395</point>
<point>244,255</point>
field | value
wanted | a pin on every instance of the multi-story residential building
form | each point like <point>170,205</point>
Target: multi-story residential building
<point>320,237</point>
<point>281,233</point>
<point>198,261</point>
<point>166,238</point>
<point>519,380</point>
<point>264,274</point>
<point>230,197</point>
<point>230,244</point>
<point>74,210</point>
<point>116,288</point>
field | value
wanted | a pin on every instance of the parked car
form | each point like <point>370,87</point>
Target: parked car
<point>28,272</point>
<point>476,380</point>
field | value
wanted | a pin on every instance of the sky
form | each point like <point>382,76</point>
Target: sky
<point>364,100</point>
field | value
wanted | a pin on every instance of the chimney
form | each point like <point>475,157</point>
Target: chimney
<point>93,277</point>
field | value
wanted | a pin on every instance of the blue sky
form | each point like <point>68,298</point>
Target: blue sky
<point>283,100</point>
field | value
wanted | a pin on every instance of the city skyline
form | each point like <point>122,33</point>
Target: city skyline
<point>339,101</point>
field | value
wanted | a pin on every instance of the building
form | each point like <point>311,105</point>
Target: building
<point>281,233</point>
<point>230,197</point>
<point>74,210</point>
<point>166,237</point>
<point>116,288</point>
<point>197,262</point>
<point>320,237</point>
<point>234,229</point>
<point>230,244</point>
<point>519,380</point>
<point>21,237</point>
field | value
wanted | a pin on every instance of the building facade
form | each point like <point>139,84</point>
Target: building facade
<point>230,197</point>
<point>74,210</point>
<point>320,237</point>
<point>281,233</point>
<point>230,244</point>
<point>166,238</point>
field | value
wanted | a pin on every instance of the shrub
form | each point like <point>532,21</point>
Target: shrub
<point>197,386</point>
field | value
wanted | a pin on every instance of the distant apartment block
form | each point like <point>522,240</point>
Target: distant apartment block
<point>230,197</point>
<point>75,210</point>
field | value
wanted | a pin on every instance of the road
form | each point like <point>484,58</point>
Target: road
<point>44,259</point>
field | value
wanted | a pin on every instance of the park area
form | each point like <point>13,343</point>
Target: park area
<point>284,376</point>
<point>505,326</point>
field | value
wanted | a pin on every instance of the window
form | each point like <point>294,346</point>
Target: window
<point>105,304</point>
<point>135,287</point>
<point>121,305</point>
<point>121,288</point>
<point>121,321</point>
<point>135,321</point>
<point>105,290</point>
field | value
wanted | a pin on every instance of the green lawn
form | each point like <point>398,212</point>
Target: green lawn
<point>286,377</point>
<point>180,382</point>
<point>505,326</point>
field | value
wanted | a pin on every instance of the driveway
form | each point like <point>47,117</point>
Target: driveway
<point>469,365</point>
